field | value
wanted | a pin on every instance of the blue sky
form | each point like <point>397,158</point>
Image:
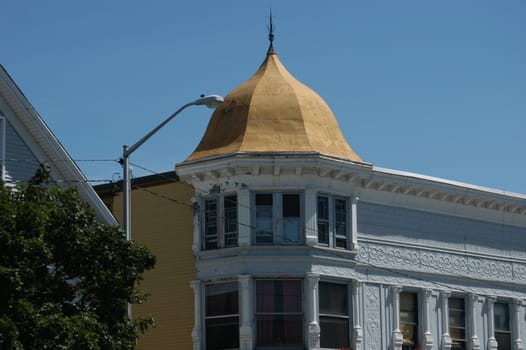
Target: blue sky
<point>431,87</point>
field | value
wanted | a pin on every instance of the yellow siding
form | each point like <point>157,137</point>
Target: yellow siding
<point>162,220</point>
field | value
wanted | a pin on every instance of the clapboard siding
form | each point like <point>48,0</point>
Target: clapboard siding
<point>21,163</point>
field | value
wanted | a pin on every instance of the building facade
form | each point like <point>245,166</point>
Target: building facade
<point>297,243</point>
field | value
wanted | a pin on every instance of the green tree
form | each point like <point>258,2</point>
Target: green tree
<point>65,278</point>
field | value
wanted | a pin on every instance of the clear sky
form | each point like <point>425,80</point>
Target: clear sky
<point>432,87</point>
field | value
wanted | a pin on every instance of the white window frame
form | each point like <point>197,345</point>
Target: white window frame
<point>207,318</point>
<point>278,219</point>
<point>220,222</point>
<point>508,331</point>
<point>301,313</point>
<point>449,317</point>
<point>349,308</point>
<point>333,237</point>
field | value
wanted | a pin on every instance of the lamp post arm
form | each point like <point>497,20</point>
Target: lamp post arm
<point>138,144</point>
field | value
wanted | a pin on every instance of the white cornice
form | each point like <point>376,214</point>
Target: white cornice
<point>358,175</point>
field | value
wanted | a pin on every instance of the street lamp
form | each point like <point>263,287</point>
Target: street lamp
<point>211,101</point>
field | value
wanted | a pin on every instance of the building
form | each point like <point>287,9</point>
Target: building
<point>26,142</point>
<point>289,240</point>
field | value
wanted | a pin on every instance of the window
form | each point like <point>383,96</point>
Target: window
<point>279,313</point>
<point>278,218</point>
<point>334,316</point>
<point>409,320</point>
<point>457,323</point>
<point>222,316</point>
<point>264,218</point>
<point>220,223</point>
<point>502,326</point>
<point>333,232</point>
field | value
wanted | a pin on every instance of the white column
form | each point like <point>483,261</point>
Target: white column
<point>397,337</point>
<point>428,337</point>
<point>358,331</point>
<point>475,342</point>
<point>354,223</point>
<point>492,342</point>
<point>245,329</point>
<point>517,307</point>
<point>313,332</point>
<point>196,244</point>
<point>311,227</point>
<point>446,338</point>
<point>197,331</point>
<point>243,218</point>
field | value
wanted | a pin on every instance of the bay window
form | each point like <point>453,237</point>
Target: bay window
<point>222,316</point>
<point>334,316</point>
<point>220,223</point>
<point>279,313</point>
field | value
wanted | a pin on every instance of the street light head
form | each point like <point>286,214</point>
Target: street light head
<point>211,101</point>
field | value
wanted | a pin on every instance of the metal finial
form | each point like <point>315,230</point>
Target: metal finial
<point>270,34</point>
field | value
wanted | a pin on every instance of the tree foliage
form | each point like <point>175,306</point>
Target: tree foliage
<point>65,278</point>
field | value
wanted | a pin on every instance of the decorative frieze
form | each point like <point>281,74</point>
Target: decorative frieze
<point>453,264</point>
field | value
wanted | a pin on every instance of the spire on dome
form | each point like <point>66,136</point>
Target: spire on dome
<point>270,28</point>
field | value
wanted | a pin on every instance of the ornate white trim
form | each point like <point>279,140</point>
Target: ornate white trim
<point>439,262</point>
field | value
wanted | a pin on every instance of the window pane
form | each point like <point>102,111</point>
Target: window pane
<point>503,340</point>
<point>264,199</point>
<point>222,320</point>
<point>279,313</point>
<point>222,333</point>
<point>222,299</point>
<point>291,228</point>
<point>291,205</point>
<point>278,296</point>
<point>340,211</point>
<point>502,317</point>
<point>409,319</point>
<point>323,220</point>
<point>334,332</point>
<point>210,224</point>
<point>333,299</point>
<point>264,218</point>
<point>280,330</point>
<point>230,224</point>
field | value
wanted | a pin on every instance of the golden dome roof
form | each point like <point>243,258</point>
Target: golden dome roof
<point>273,112</point>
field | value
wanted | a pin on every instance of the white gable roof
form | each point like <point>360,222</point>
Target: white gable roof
<point>26,134</point>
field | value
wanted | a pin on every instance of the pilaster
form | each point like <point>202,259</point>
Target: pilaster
<point>517,307</point>
<point>428,337</point>
<point>311,229</point>
<point>358,331</point>
<point>492,342</point>
<point>313,332</point>
<point>446,338</point>
<point>474,341</point>
<point>397,337</point>
<point>197,331</point>
<point>245,329</point>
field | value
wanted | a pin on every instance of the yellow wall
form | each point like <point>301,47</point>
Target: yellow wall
<point>162,220</point>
